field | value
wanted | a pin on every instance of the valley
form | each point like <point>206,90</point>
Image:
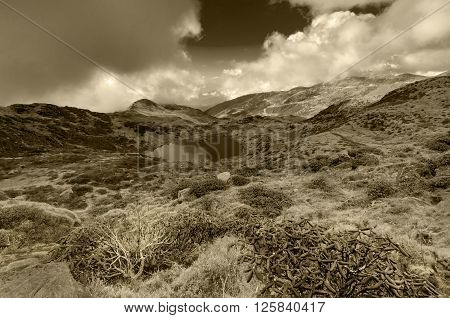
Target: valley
<point>304,193</point>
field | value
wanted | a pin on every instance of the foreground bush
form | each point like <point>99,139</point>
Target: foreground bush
<point>298,259</point>
<point>271,202</point>
<point>134,246</point>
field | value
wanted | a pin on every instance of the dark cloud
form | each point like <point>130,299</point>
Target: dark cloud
<point>123,36</point>
<point>247,22</point>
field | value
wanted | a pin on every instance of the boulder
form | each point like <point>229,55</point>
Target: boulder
<point>52,280</point>
<point>224,176</point>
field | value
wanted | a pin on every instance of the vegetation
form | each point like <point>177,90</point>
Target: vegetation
<point>269,202</point>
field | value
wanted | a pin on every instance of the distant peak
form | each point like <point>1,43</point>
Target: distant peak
<point>143,103</point>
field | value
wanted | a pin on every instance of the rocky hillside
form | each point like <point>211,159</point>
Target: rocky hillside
<point>38,128</point>
<point>306,102</point>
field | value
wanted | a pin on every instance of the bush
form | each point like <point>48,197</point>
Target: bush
<point>320,183</point>
<point>248,171</point>
<point>133,246</point>
<point>322,263</point>
<point>268,201</point>
<point>439,144</point>
<point>34,225</point>
<point>317,163</point>
<point>239,181</point>
<point>200,188</point>
<point>439,182</point>
<point>380,189</point>
<point>82,189</point>
<point>215,274</point>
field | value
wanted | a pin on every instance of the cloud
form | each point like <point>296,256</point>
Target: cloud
<point>322,6</point>
<point>336,41</point>
<point>126,37</point>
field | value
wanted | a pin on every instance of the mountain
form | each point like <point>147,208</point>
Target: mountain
<point>37,128</point>
<point>415,113</point>
<point>150,110</point>
<point>307,102</point>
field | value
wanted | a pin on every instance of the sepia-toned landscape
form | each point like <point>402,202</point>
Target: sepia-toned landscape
<point>225,149</point>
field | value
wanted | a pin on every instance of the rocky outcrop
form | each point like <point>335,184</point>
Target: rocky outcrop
<point>52,280</point>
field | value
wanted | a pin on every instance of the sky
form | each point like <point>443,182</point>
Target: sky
<point>105,54</point>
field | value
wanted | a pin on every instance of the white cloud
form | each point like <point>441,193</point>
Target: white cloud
<point>232,72</point>
<point>336,41</point>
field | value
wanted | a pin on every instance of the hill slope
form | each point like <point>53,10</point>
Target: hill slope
<point>44,127</point>
<point>309,101</point>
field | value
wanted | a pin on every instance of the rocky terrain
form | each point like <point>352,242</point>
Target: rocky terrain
<point>341,192</point>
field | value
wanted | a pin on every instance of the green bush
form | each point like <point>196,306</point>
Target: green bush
<point>380,189</point>
<point>239,180</point>
<point>271,202</point>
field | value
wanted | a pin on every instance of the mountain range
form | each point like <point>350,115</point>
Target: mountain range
<point>366,103</point>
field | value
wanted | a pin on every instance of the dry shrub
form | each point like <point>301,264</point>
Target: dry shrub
<point>268,202</point>
<point>133,246</point>
<point>31,225</point>
<point>216,273</point>
<point>299,259</point>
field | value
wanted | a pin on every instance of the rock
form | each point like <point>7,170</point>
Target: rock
<point>20,264</point>
<point>224,176</point>
<point>67,194</point>
<point>185,195</point>
<point>52,280</point>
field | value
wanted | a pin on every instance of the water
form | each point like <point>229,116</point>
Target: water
<point>216,148</point>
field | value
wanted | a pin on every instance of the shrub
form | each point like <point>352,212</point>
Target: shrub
<point>320,183</point>
<point>317,163</point>
<point>440,182</point>
<point>443,160</point>
<point>271,202</point>
<point>216,273</point>
<point>426,169</point>
<point>200,188</point>
<point>248,171</point>
<point>82,189</point>
<point>132,246</point>
<point>34,225</point>
<point>439,144</point>
<point>380,189</point>
<point>399,209</point>
<point>320,263</point>
<point>239,181</point>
